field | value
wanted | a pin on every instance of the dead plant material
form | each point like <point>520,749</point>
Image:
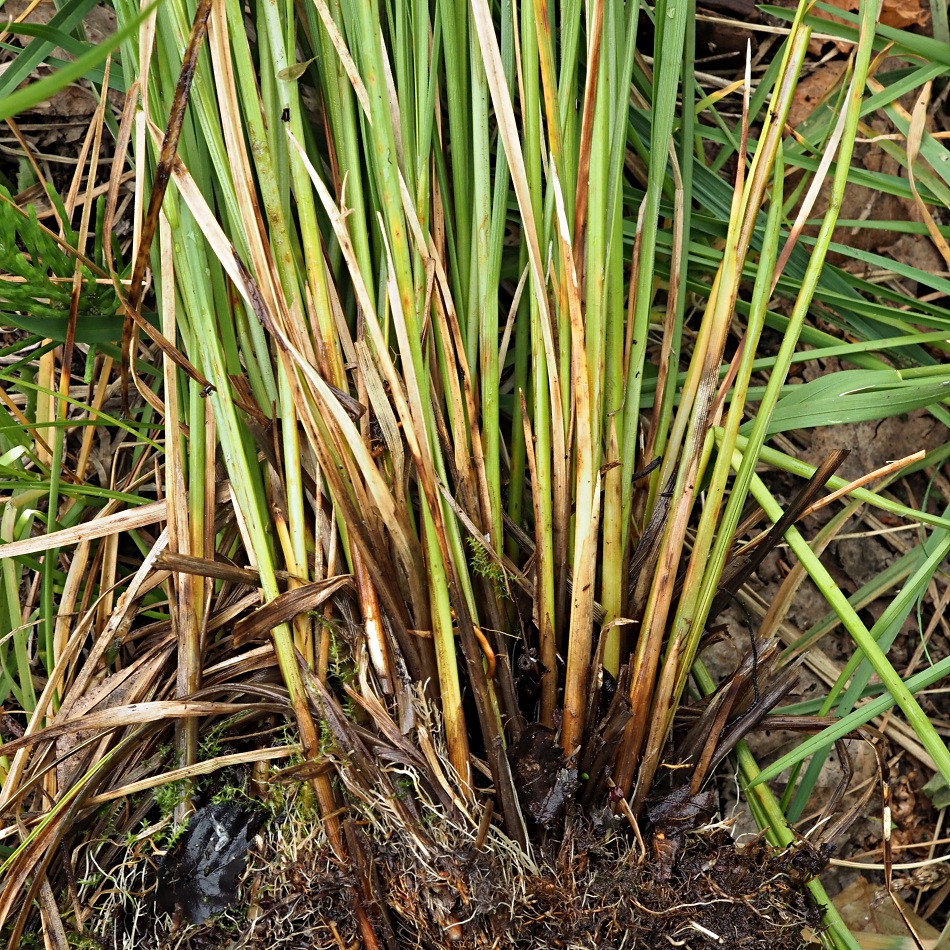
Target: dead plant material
<point>424,868</point>
<point>592,890</point>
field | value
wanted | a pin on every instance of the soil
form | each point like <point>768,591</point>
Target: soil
<point>597,890</point>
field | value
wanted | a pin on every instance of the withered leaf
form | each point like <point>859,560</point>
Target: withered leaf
<point>679,811</point>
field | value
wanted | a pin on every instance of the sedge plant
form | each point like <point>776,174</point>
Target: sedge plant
<point>454,337</point>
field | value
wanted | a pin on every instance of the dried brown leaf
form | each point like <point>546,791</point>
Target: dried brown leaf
<point>895,13</point>
<point>813,89</point>
<point>287,606</point>
<point>131,715</point>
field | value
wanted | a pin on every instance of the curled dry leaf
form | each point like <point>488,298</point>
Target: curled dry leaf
<point>896,13</point>
<point>901,13</point>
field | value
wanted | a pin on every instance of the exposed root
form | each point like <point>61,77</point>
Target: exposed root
<point>433,888</point>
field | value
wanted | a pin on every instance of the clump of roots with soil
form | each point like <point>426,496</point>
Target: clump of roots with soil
<point>426,869</point>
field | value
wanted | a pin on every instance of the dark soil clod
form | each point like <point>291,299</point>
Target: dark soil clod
<point>199,876</point>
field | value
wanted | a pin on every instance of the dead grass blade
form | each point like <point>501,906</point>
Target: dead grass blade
<point>287,606</point>
<point>135,714</point>
<point>205,767</point>
<point>108,521</point>
<point>740,568</point>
